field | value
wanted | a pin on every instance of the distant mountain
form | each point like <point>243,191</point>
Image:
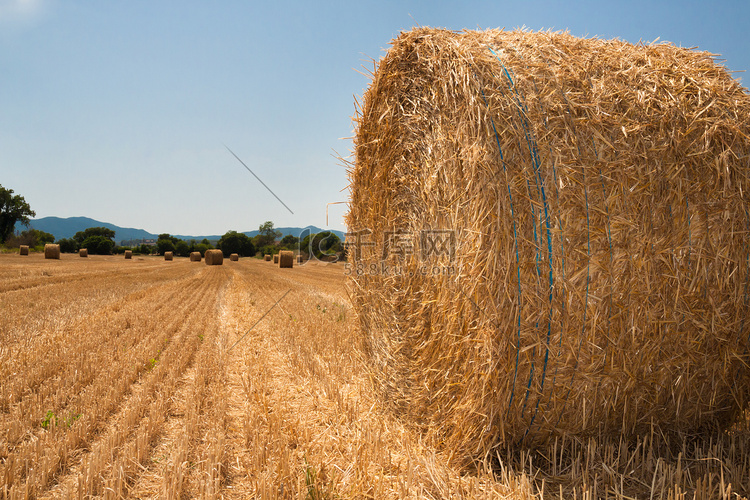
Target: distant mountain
<point>68,227</point>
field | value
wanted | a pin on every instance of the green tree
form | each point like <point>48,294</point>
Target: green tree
<point>202,247</point>
<point>164,245</point>
<point>167,236</point>
<point>321,245</point>
<point>267,235</point>
<point>31,237</point>
<point>289,241</point>
<point>42,238</point>
<point>104,232</point>
<point>182,248</point>
<point>146,249</point>
<point>68,245</point>
<point>269,250</point>
<point>98,245</point>
<point>239,243</point>
<point>13,209</point>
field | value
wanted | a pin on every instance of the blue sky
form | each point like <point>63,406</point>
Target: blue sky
<point>120,111</point>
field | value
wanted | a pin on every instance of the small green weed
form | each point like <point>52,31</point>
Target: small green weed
<point>314,490</point>
<point>49,420</point>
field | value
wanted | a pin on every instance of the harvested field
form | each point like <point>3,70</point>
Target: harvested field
<point>138,379</point>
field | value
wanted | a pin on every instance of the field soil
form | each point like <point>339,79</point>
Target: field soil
<point>151,379</point>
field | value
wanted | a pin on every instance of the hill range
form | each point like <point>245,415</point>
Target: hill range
<point>67,227</point>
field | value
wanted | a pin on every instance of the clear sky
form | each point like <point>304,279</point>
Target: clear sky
<point>120,110</point>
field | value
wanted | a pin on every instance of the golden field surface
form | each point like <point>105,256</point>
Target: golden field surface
<point>150,379</point>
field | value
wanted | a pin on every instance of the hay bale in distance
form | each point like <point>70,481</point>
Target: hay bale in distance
<point>286,259</point>
<point>195,257</point>
<point>83,252</point>
<point>592,271</point>
<point>275,258</point>
<point>168,255</point>
<point>214,257</point>
<point>299,259</point>
<point>51,251</point>
<point>128,254</point>
<point>23,249</point>
<point>267,258</point>
<point>234,257</point>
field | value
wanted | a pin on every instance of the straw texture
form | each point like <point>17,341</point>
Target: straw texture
<point>234,257</point>
<point>275,258</point>
<point>214,257</point>
<point>83,252</point>
<point>23,249</point>
<point>51,251</point>
<point>195,256</point>
<point>596,279</point>
<point>128,254</point>
<point>168,255</point>
<point>267,258</point>
<point>286,259</point>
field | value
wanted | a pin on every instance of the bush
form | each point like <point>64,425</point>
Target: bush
<point>202,247</point>
<point>182,249</point>
<point>239,243</point>
<point>164,245</point>
<point>98,245</point>
<point>68,245</point>
<point>323,245</point>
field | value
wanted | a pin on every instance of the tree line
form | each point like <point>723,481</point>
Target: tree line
<point>101,240</point>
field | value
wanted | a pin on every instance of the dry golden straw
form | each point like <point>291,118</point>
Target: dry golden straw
<point>168,255</point>
<point>195,256</point>
<point>267,258</point>
<point>286,259</point>
<point>51,251</point>
<point>592,278</point>
<point>234,257</point>
<point>128,254</point>
<point>275,258</point>
<point>24,249</point>
<point>214,257</point>
<point>83,252</point>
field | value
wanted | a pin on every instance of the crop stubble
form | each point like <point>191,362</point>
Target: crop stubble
<point>132,358</point>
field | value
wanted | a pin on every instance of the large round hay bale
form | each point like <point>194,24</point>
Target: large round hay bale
<point>214,257</point>
<point>23,249</point>
<point>267,258</point>
<point>234,257</point>
<point>83,252</point>
<point>286,259</point>
<point>128,254</point>
<point>275,258</point>
<point>168,255</point>
<point>550,237</point>
<point>195,257</point>
<point>51,251</point>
